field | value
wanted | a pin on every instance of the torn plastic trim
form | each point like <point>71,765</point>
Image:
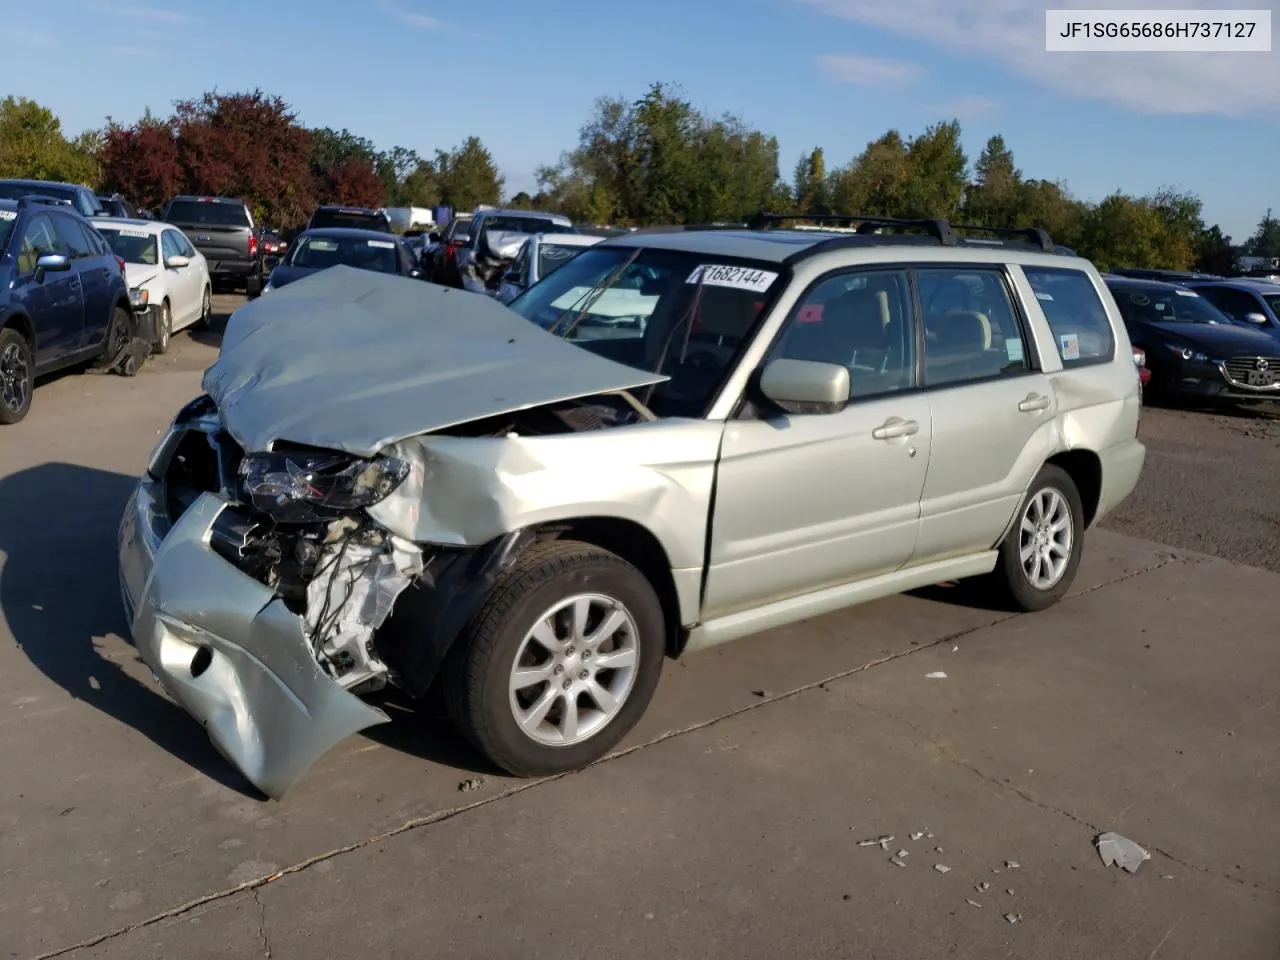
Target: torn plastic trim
<point>230,652</point>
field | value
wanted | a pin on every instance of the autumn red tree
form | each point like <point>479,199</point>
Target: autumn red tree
<point>141,162</point>
<point>353,181</point>
<point>246,145</point>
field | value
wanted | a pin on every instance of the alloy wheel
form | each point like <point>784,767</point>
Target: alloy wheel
<point>15,378</point>
<point>1046,538</point>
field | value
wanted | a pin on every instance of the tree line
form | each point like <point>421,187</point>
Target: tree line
<point>653,160</point>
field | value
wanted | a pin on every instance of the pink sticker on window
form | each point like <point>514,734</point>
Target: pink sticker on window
<point>811,313</point>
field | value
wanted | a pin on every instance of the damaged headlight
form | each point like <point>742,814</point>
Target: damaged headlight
<point>305,487</point>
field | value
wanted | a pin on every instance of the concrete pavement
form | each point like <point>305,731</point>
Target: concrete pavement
<point>727,826</point>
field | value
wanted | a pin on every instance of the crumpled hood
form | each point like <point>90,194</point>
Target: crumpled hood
<point>353,360</point>
<point>137,274</point>
<point>504,244</point>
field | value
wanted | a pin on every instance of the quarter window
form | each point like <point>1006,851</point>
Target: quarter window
<point>861,321</point>
<point>972,330</point>
<point>1081,329</point>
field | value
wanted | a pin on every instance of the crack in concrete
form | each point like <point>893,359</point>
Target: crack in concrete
<point>262,924</point>
<point>439,816</point>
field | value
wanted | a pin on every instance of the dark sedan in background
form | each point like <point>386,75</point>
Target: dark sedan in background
<point>1250,303</point>
<point>317,250</point>
<point>1192,348</point>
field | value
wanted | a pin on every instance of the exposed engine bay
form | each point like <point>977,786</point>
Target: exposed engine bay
<point>295,523</point>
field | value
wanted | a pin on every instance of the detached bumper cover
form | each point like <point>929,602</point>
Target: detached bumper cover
<point>227,649</point>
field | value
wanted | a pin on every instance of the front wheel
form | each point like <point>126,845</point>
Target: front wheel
<point>17,376</point>
<point>1039,557</point>
<point>165,334</point>
<point>206,310</point>
<point>561,661</point>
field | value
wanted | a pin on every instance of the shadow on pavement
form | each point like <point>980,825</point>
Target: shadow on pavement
<point>975,594</point>
<point>211,334</point>
<point>422,729</point>
<point>60,595</point>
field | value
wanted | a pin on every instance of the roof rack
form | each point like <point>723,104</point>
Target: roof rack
<point>940,230</point>
<point>681,227</point>
<point>36,199</point>
<point>1035,235</point>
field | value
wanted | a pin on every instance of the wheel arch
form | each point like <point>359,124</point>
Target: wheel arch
<point>1084,467</point>
<point>17,320</point>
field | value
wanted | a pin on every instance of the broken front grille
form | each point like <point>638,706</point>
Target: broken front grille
<point>1253,373</point>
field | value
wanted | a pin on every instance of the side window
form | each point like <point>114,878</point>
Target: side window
<point>182,244</point>
<point>75,239</point>
<point>1234,303</point>
<point>38,239</point>
<point>169,245</point>
<point>100,246</point>
<point>972,330</point>
<point>862,321</point>
<point>1081,330</point>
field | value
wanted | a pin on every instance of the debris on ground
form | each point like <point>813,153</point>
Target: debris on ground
<point>1012,917</point>
<point>916,836</point>
<point>475,783</point>
<point>897,861</point>
<point>1166,876</point>
<point>942,868</point>
<point>937,849</point>
<point>903,854</point>
<point>1116,850</point>
<point>1009,891</point>
<point>983,887</point>
<point>956,648</point>
<point>881,842</point>
<point>763,694</point>
<point>1012,864</point>
<point>936,675</point>
<point>972,903</point>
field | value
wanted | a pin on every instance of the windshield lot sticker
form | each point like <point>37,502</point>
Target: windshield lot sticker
<point>383,244</point>
<point>1070,344</point>
<point>8,215</point>
<point>1013,350</point>
<point>737,278</point>
<point>1186,293</point>
<point>136,234</point>
<point>1041,295</point>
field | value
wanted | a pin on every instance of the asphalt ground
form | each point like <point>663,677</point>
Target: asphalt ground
<point>730,823</point>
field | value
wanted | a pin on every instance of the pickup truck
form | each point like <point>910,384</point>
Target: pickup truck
<point>222,229</point>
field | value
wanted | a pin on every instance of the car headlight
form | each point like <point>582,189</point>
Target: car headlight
<point>139,298</point>
<point>1188,354</point>
<point>305,487</point>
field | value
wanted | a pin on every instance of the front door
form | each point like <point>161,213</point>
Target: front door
<point>807,501</point>
<point>54,300</point>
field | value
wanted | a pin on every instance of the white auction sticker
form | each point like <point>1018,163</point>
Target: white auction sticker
<point>1186,293</point>
<point>137,234</point>
<point>1169,31</point>
<point>8,215</point>
<point>1070,344</point>
<point>739,278</point>
<point>384,244</point>
<point>1047,297</point>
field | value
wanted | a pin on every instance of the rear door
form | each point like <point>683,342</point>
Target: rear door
<point>991,405</point>
<point>94,270</point>
<point>55,301</point>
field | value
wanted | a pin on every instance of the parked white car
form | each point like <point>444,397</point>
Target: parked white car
<point>542,254</point>
<point>164,270</point>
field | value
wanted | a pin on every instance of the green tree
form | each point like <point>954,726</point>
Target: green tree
<point>937,168</point>
<point>875,182</point>
<point>1214,251</point>
<point>1124,231</point>
<point>1050,206</point>
<point>468,176</point>
<point>32,146</point>
<point>809,183</point>
<point>994,196</point>
<point>1265,241</point>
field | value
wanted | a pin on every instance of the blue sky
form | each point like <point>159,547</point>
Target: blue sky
<point>836,73</point>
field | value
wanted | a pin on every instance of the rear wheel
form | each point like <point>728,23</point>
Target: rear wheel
<point>119,336</point>
<point>561,661</point>
<point>206,310</point>
<point>1039,557</point>
<point>17,376</point>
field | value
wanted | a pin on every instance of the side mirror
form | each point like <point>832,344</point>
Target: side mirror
<point>806,386</point>
<point>51,263</point>
<point>176,261</point>
<point>1256,317</point>
<point>461,239</point>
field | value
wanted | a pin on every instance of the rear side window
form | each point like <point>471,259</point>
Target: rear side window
<point>211,213</point>
<point>1081,330</point>
<point>971,327</point>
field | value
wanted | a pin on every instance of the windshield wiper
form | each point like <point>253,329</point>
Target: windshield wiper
<point>686,321</point>
<point>592,295</point>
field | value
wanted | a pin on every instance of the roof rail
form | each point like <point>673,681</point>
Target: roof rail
<point>1035,235</point>
<point>679,227</point>
<point>36,199</point>
<point>939,229</point>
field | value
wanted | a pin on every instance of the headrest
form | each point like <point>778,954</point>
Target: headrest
<point>860,315</point>
<point>963,331</point>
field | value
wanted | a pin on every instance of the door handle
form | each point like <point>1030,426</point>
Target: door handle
<point>1034,401</point>
<point>895,427</point>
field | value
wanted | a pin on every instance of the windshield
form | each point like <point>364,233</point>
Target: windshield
<point>317,253</point>
<point>1165,305</point>
<point>211,213</point>
<point>1272,300</point>
<point>553,256</point>
<point>349,218</point>
<point>131,246</point>
<point>646,315</point>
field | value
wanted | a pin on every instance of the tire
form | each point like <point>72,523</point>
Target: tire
<point>17,376</point>
<point>165,335</point>
<point>477,677</point>
<point>206,311</point>
<point>1052,492</point>
<point>119,333</point>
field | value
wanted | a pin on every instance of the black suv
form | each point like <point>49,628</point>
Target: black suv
<point>359,218</point>
<point>84,200</point>
<point>222,229</point>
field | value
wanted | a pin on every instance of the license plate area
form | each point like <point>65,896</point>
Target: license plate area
<point>1261,378</point>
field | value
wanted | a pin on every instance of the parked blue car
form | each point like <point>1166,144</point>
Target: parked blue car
<point>63,297</point>
<point>1249,303</point>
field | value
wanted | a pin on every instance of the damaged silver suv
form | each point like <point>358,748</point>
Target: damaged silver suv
<point>677,439</point>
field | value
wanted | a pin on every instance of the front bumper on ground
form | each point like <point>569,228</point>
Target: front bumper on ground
<point>226,648</point>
